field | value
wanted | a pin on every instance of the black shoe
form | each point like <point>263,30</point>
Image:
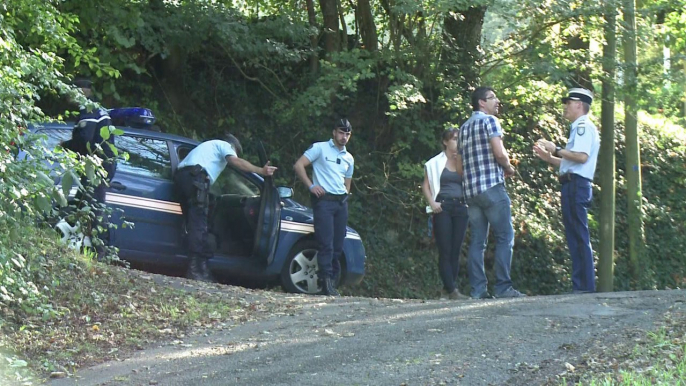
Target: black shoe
<point>206,272</point>
<point>328,287</point>
<point>198,270</point>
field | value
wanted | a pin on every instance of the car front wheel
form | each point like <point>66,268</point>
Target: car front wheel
<point>72,236</point>
<point>299,274</point>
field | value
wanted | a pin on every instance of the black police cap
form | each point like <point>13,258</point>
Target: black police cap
<point>344,125</point>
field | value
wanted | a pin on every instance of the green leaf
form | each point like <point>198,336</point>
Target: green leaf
<point>105,132</point>
<point>43,203</point>
<point>44,179</point>
<point>90,171</point>
<point>59,196</point>
<point>67,182</point>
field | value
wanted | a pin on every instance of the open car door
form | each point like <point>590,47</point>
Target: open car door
<point>269,220</point>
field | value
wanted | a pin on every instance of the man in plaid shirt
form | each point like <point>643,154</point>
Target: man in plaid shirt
<point>486,164</point>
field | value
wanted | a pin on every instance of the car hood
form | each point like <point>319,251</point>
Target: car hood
<point>297,212</point>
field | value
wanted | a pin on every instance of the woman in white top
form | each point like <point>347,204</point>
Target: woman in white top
<point>442,188</point>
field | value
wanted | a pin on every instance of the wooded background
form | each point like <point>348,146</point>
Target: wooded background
<point>401,71</point>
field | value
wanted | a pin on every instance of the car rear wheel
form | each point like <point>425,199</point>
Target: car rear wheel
<point>299,273</point>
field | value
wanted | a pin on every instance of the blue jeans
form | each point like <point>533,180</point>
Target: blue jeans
<point>576,199</point>
<point>330,220</point>
<point>491,208</point>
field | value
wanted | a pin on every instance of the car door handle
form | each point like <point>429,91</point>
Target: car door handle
<point>116,185</point>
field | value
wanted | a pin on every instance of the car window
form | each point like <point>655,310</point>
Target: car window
<point>55,136</point>
<point>230,181</point>
<point>147,156</point>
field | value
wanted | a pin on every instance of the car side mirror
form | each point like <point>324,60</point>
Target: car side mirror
<point>285,191</point>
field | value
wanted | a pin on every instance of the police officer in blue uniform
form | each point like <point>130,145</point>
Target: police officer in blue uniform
<point>577,163</point>
<point>192,181</point>
<point>332,169</point>
<point>87,140</point>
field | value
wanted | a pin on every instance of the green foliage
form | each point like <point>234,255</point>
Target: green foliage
<point>247,67</point>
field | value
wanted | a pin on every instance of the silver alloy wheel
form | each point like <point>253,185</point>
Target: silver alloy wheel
<point>303,272</point>
<point>71,236</point>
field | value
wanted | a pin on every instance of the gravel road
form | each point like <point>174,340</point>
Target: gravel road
<point>362,341</point>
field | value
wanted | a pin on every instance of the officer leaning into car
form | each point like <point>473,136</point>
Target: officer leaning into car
<point>332,169</point>
<point>192,181</point>
<point>577,163</point>
<point>87,140</point>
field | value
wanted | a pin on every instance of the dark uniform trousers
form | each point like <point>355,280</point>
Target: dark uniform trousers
<point>330,221</point>
<point>576,199</point>
<point>192,185</point>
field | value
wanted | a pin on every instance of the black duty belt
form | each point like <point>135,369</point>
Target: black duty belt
<point>193,170</point>
<point>333,197</point>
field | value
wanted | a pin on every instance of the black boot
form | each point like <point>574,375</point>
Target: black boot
<point>198,270</point>
<point>194,271</point>
<point>206,272</point>
<point>328,287</point>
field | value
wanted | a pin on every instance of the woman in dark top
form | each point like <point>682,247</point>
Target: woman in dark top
<point>442,188</point>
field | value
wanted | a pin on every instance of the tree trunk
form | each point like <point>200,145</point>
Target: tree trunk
<point>314,56</point>
<point>462,37</point>
<point>633,153</point>
<point>344,28</point>
<point>581,76</point>
<point>331,31</point>
<point>606,249</point>
<point>365,19</point>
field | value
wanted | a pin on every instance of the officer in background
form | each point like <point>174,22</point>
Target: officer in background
<point>86,140</point>
<point>332,168</point>
<point>577,162</point>
<point>192,181</point>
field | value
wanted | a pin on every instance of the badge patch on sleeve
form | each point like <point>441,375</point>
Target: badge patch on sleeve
<point>581,129</point>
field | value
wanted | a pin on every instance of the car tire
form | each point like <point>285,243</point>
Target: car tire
<point>299,273</point>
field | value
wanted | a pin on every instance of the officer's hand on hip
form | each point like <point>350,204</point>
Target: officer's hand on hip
<point>317,190</point>
<point>268,170</point>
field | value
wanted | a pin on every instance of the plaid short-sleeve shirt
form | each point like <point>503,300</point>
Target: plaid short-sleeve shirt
<point>481,170</point>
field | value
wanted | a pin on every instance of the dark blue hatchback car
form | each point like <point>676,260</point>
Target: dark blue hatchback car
<point>259,233</point>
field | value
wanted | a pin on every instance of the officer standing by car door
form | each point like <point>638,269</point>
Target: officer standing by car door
<point>87,140</point>
<point>332,169</point>
<point>192,181</point>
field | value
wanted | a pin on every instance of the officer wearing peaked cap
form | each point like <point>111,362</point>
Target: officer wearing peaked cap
<point>332,167</point>
<point>577,163</point>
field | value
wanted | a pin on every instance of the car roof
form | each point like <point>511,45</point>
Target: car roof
<point>127,130</point>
